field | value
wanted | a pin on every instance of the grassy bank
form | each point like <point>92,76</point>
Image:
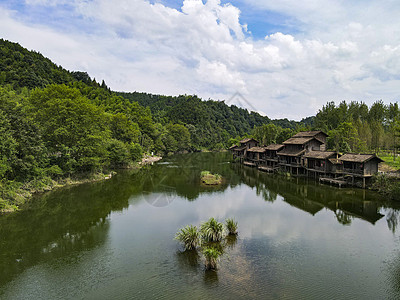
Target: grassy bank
<point>14,194</point>
<point>387,185</point>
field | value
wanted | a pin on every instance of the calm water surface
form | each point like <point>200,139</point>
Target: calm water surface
<point>114,239</point>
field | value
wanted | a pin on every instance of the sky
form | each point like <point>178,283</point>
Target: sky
<point>284,59</point>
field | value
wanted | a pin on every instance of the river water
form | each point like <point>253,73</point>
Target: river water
<point>115,239</point>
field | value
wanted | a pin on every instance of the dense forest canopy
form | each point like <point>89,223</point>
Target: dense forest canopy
<point>55,124</point>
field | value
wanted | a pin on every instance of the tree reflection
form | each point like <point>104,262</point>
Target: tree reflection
<point>392,219</point>
<point>343,218</point>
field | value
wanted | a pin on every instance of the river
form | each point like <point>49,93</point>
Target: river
<point>115,239</point>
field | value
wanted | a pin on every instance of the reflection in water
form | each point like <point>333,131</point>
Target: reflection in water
<point>312,197</point>
<point>230,241</point>
<point>277,257</point>
<point>188,259</point>
<point>211,278</point>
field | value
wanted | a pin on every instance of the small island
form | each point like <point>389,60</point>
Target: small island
<point>210,179</point>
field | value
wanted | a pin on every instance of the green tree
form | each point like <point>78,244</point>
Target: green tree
<point>74,129</point>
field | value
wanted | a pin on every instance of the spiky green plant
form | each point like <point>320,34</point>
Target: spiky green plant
<point>231,226</point>
<point>212,230</point>
<point>189,236</point>
<point>211,256</point>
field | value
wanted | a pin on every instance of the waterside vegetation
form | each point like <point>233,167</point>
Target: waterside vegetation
<point>210,179</point>
<point>212,238</point>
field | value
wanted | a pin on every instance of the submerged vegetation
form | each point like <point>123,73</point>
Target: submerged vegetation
<point>211,237</point>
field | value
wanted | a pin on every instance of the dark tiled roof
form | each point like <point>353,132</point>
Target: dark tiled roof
<point>360,158</point>
<point>257,149</point>
<point>299,140</point>
<point>309,133</point>
<point>275,147</point>
<point>320,154</point>
<point>335,161</point>
<point>241,148</point>
<point>288,152</point>
<point>247,140</point>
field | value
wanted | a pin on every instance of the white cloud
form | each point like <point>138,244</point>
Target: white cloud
<point>343,50</point>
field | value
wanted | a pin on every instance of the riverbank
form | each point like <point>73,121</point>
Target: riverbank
<point>15,194</point>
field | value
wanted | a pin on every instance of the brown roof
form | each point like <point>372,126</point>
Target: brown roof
<point>232,147</point>
<point>239,148</point>
<point>275,147</point>
<point>308,133</point>
<point>335,161</point>
<point>320,154</point>
<point>299,140</point>
<point>247,140</point>
<point>257,149</point>
<point>288,152</point>
<point>360,158</point>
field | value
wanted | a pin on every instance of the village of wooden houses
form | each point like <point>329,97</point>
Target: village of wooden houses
<point>304,154</point>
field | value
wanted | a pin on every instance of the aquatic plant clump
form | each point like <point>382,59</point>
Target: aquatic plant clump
<point>231,226</point>
<point>189,236</point>
<point>210,179</point>
<point>211,255</point>
<point>212,230</point>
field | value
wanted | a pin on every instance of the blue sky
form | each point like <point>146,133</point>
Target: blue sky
<point>287,58</point>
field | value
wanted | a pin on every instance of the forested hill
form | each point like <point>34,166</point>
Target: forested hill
<point>211,124</point>
<point>193,110</point>
<point>56,124</point>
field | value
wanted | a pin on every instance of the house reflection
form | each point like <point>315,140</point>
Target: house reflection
<point>312,197</point>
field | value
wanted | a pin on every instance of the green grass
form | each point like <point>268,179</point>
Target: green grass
<point>210,179</point>
<point>389,160</point>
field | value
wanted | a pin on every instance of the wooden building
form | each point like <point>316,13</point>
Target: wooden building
<point>362,166</point>
<point>290,158</point>
<point>269,160</point>
<point>318,134</point>
<point>253,156</point>
<point>304,154</point>
<point>240,152</point>
<point>319,163</point>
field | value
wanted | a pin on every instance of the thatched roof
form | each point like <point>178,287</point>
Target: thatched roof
<point>320,154</point>
<point>247,140</point>
<point>308,133</point>
<point>275,147</point>
<point>299,140</point>
<point>232,147</point>
<point>257,149</point>
<point>288,152</point>
<point>359,158</point>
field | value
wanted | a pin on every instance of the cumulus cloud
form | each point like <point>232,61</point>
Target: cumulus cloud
<point>339,50</point>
